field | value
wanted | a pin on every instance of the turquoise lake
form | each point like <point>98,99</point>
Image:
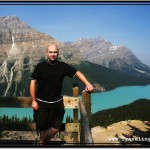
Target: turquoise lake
<point>100,101</point>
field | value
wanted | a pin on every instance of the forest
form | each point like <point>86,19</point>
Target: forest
<point>137,110</point>
<point>15,120</point>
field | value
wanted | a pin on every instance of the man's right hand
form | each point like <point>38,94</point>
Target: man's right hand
<point>35,105</point>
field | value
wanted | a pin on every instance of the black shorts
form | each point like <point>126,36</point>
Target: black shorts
<point>50,116</point>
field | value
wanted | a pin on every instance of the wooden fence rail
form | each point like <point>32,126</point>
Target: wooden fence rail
<point>80,130</point>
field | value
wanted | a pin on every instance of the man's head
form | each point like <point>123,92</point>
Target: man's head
<point>52,52</point>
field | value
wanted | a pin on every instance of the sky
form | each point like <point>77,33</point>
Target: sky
<point>125,24</point>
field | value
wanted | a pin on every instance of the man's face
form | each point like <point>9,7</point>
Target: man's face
<point>52,53</point>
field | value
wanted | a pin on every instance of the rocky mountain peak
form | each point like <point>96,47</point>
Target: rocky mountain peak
<point>14,29</point>
<point>92,42</point>
<point>12,22</point>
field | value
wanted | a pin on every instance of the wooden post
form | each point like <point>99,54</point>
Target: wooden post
<point>75,90</point>
<point>85,110</point>
<point>75,112</point>
<point>86,99</point>
<point>85,134</point>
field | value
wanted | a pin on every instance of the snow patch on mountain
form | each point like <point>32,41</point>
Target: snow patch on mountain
<point>141,71</point>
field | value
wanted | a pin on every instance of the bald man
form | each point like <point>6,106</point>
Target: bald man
<point>45,90</point>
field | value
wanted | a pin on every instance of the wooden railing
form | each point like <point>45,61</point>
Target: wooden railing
<point>85,131</point>
<point>80,128</point>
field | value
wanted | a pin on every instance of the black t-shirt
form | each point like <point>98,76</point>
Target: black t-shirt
<point>49,79</point>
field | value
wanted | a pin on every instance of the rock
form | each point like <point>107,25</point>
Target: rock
<point>122,132</point>
<point>98,87</point>
<point>19,135</point>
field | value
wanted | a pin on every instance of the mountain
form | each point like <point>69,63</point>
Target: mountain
<point>22,47</point>
<point>103,52</point>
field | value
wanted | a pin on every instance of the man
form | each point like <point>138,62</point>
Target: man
<point>45,91</point>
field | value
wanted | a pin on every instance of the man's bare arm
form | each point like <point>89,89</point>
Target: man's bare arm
<point>34,104</point>
<point>89,87</point>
